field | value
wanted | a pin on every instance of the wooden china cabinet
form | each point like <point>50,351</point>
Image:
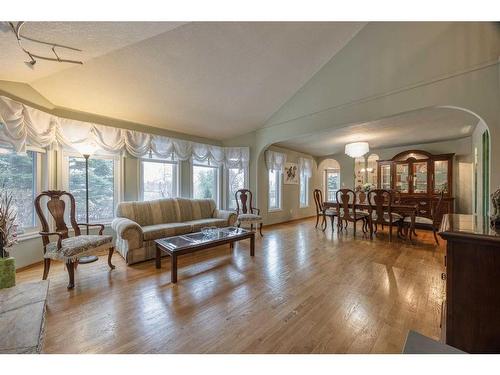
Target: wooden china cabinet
<point>419,176</point>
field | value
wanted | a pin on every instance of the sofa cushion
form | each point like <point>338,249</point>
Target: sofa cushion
<point>159,211</point>
<point>195,209</point>
<point>196,225</point>
<point>157,231</point>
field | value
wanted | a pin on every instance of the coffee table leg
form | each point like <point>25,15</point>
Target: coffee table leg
<point>173,268</point>
<point>158,258</point>
<point>252,245</point>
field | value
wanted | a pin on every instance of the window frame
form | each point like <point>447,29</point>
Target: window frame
<point>117,174</point>
<point>325,181</point>
<point>279,191</point>
<point>217,168</point>
<point>39,184</point>
<point>162,161</point>
<point>303,182</point>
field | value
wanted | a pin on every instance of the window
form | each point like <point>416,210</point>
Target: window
<point>332,183</point>
<point>205,181</point>
<point>159,179</point>
<point>274,190</point>
<point>304,189</point>
<point>235,182</point>
<point>19,175</point>
<point>103,186</point>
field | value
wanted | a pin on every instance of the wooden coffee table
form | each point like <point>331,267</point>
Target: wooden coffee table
<point>190,243</point>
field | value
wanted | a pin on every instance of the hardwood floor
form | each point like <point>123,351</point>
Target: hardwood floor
<point>304,292</point>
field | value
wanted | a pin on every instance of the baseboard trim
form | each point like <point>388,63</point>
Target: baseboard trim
<point>288,221</point>
<point>24,268</point>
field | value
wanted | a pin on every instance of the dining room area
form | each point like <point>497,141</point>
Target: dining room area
<point>395,178</point>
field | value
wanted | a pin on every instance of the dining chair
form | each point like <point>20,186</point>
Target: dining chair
<point>347,212</point>
<point>247,213</point>
<point>381,212</point>
<point>322,211</point>
<point>426,223</point>
<point>68,249</point>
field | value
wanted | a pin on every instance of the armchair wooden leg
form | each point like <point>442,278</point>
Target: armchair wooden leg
<point>46,268</point>
<point>260,230</point>
<point>317,221</point>
<point>71,273</point>
<point>110,254</point>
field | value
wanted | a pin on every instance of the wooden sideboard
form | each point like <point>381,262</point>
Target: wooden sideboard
<point>419,177</point>
<point>471,318</point>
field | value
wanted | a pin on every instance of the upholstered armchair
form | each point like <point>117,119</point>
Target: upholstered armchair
<point>68,249</point>
<point>247,214</point>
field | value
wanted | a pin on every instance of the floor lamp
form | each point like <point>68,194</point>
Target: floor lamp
<point>88,258</point>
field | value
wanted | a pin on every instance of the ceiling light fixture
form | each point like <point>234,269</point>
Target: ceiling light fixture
<point>357,149</point>
<point>16,29</point>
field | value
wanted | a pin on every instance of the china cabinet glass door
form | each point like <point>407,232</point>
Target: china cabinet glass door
<point>402,177</point>
<point>440,176</point>
<point>419,177</point>
<point>385,176</point>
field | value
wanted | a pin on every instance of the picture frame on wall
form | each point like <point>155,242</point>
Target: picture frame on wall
<point>291,174</point>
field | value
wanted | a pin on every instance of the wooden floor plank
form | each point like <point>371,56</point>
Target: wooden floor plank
<point>305,291</point>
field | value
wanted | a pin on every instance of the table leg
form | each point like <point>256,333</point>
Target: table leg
<point>158,257</point>
<point>412,226</point>
<point>252,245</point>
<point>173,268</point>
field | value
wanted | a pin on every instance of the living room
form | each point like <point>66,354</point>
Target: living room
<point>265,187</point>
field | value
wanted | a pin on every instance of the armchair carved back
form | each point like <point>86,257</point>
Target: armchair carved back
<point>244,201</point>
<point>56,206</point>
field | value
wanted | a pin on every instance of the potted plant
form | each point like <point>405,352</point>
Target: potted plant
<point>8,237</point>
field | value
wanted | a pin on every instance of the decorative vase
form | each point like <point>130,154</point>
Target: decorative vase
<point>7,272</point>
<point>495,202</point>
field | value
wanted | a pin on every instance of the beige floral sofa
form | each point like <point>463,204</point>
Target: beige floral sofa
<point>138,224</point>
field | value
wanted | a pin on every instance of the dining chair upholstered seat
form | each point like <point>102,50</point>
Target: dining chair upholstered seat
<point>395,217</point>
<point>419,220</point>
<point>249,217</point>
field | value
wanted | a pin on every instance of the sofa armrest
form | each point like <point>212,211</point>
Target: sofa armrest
<point>230,216</point>
<point>129,231</point>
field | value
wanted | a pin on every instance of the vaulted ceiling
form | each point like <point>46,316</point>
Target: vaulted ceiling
<point>212,79</point>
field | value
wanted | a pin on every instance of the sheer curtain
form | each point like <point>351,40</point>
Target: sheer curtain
<point>22,126</point>
<point>305,166</point>
<point>275,161</point>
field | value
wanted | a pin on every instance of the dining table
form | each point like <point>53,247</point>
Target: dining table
<point>405,210</point>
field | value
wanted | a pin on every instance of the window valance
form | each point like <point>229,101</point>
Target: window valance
<point>275,161</point>
<point>22,126</point>
<point>305,166</point>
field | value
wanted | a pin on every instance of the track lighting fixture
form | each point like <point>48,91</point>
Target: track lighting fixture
<point>16,29</point>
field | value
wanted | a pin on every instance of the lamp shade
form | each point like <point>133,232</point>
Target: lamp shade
<point>86,148</point>
<point>356,149</point>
